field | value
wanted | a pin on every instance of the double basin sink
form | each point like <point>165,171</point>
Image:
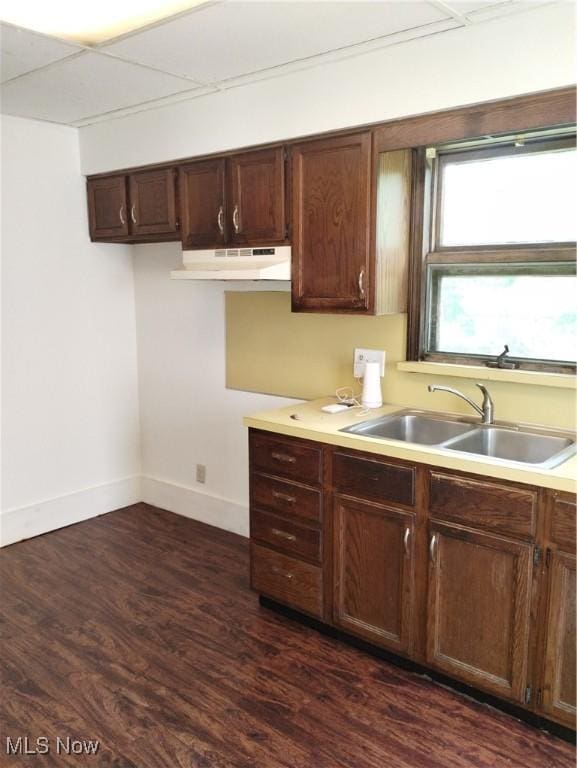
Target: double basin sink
<point>533,446</point>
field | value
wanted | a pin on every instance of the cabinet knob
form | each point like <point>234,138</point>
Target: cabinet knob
<point>220,220</point>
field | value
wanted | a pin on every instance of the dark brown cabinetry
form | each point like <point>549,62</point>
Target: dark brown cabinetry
<point>287,522</point>
<point>234,201</point>
<point>558,683</point>
<point>373,572</point>
<point>473,577</point>
<point>108,208</point>
<point>201,188</point>
<point>152,197</point>
<point>350,214</point>
<point>256,197</point>
<point>139,207</point>
<point>479,606</point>
<point>331,204</point>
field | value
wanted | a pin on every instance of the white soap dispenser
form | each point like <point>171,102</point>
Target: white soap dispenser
<point>372,396</point>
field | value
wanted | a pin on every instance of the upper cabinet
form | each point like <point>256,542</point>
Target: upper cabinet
<point>153,202</point>
<point>351,216</point>
<point>256,197</point>
<point>108,207</point>
<point>137,207</point>
<point>201,188</point>
<point>349,206</point>
<point>238,200</point>
<point>331,205</point>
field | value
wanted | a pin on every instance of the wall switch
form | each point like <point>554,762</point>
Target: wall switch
<point>363,356</point>
<point>200,473</point>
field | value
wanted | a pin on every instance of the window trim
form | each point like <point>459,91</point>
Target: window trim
<point>421,252</point>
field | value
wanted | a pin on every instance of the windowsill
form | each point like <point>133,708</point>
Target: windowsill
<point>536,378</point>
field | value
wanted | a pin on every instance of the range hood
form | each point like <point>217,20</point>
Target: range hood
<point>262,263</point>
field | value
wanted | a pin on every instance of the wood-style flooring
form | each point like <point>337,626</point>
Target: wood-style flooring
<point>138,629</point>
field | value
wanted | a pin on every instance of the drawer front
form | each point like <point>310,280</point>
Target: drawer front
<point>285,497</point>
<point>286,535</point>
<point>563,521</point>
<point>287,580</point>
<point>489,506</point>
<point>286,458</point>
<point>376,480</point>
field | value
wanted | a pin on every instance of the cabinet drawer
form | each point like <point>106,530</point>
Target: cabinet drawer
<point>371,479</point>
<point>287,580</point>
<point>284,534</point>
<point>563,521</point>
<point>489,506</point>
<point>288,458</point>
<point>284,497</point>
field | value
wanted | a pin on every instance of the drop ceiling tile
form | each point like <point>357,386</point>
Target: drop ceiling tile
<point>22,51</point>
<point>235,38</point>
<point>85,85</point>
<point>468,6</point>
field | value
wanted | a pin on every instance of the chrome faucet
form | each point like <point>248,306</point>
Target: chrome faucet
<point>486,409</point>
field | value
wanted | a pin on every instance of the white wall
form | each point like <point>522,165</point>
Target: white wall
<point>187,415</point>
<point>523,53</point>
<point>70,434</point>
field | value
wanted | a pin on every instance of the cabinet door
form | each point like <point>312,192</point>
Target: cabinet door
<point>107,207</point>
<point>202,204</point>
<point>373,565</point>
<point>256,197</point>
<point>479,608</point>
<point>153,202</point>
<point>559,681</point>
<point>331,216</point>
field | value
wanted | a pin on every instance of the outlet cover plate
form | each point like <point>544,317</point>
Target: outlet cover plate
<point>363,356</point>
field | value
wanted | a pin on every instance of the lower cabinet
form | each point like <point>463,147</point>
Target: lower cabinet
<point>373,572</point>
<point>479,604</point>
<point>558,697</point>
<point>472,577</point>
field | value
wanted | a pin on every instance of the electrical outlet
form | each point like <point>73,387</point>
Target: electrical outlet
<point>200,473</point>
<point>363,356</point>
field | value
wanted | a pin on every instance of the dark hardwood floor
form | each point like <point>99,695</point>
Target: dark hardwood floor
<point>138,629</point>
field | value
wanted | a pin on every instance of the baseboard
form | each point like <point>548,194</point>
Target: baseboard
<point>25,522</point>
<point>198,505</point>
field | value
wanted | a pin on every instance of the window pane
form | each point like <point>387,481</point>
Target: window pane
<point>476,310</point>
<point>526,198</point>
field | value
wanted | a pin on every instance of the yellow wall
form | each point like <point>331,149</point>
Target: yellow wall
<point>306,356</point>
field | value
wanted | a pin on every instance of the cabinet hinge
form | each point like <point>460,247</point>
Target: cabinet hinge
<point>539,697</point>
<point>528,694</point>
<point>536,555</point>
<point>547,557</point>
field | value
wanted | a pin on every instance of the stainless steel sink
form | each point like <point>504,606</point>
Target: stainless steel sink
<point>412,427</point>
<point>543,450</point>
<point>502,442</point>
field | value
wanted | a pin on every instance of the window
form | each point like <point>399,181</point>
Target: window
<point>499,255</point>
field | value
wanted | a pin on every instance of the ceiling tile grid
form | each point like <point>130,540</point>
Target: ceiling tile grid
<point>212,46</point>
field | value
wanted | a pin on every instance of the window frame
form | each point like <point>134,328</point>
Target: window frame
<point>508,148</point>
<point>426,248</point>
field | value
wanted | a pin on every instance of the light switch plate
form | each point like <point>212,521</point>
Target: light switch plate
<point>363,356</point>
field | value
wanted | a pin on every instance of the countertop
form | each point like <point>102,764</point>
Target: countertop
<point>314,424</point>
